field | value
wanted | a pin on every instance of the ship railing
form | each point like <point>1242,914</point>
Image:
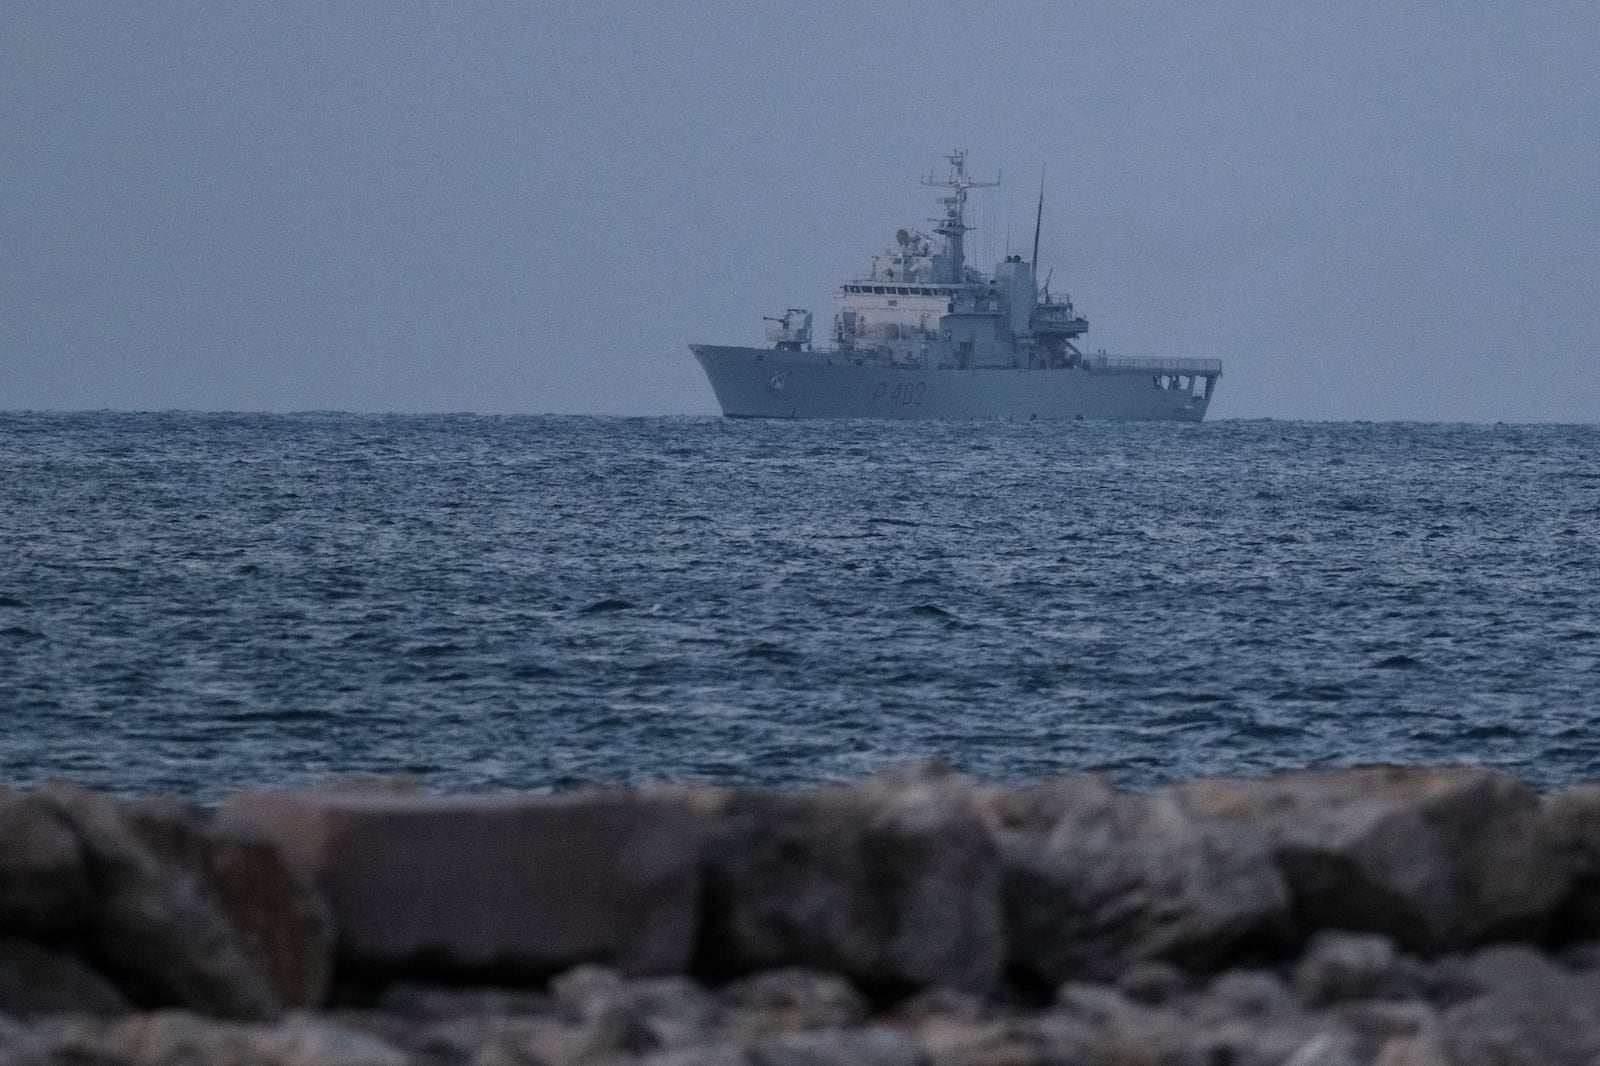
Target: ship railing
<point>1153,366</point>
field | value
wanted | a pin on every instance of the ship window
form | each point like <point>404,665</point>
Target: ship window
<point>894,303</point>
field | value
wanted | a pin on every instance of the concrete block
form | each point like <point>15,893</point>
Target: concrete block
<point>517,883</point>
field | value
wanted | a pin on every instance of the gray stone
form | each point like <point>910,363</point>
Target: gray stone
<point>872,1046</point>
<point>1569,823</point>
<point>440,1002</point>
<point>153,928</point>
<point>704,1055</point>
<point>1249,993</point>
<point>948,1003</point>
<point>173,1037</point>
<point>20,1046</point>
<point>1097,1002</point>
<point>503,1040</point>
<point>794,998</point>
<point>1438,859</point>
<point>1038,809</point>
<point>1527,1009</point>
<point>35,979</point>
<point>1324,1049</point>
<point>1097,882</point>
<point>1375,1021</point>
<point>893,883</point>
<point>278,915</point>
<point>44,883</point>
<point>1153,982</point>
<point>1426,1049</point>
<point>661,1012</point>
<point>1341,966</point>
<point>1015,1042</point>
<point>529,884</point>
<point>278,911</point>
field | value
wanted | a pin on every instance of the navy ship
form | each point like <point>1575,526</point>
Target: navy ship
<point>923,335</point>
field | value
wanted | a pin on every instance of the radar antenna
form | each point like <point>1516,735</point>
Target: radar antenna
<point>953,225</point>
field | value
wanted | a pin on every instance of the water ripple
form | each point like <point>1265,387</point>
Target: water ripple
<point>196,603</point>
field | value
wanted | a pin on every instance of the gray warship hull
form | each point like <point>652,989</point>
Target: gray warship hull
<point>776,383</point>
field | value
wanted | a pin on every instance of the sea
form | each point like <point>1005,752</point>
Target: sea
<point>198,603</point>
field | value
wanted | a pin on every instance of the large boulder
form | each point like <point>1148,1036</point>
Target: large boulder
<point>1439,859</point>
<point>894,882</point>
<point>521,885</point>
<point>1098,882</point>
<point>278,914</point>
<point>44,880</point>
<point>1529,1010</point>
<point>36,979</point>
<point>1570,826</point>
<point>154,927</point>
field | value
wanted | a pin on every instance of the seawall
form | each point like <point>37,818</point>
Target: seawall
<point>1376,915</point>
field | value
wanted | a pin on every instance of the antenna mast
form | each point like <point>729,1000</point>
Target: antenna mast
<point>953,225</point>
<point>1038,220</point>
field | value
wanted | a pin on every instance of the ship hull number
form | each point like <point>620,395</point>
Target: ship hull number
<point>901,394</point>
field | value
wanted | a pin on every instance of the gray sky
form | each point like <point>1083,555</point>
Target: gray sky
<point>1366,210</point>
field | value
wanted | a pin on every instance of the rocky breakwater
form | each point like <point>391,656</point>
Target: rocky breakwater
<point>1397,916</point>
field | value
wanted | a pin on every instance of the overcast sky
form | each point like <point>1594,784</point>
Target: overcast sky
<point>1366,210</point>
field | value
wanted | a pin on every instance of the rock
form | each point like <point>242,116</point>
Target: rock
<point>1096,883</point>
<point>526,885</point>
<point>1039,809</point>
<point>1246,1019</point>
<point>175,1037</point>
<point>1529,1009</point>
<point>19,1046</point>
<point>44,882</point>
<point>1324,1049</point>
<point>664,1012</point>
<point>1373,1023</point>
<point>1569,823</point>
<point>1340,966</point>
<point>441,1002</point>
<point>1096,1002</point>
<point>1516,968</point>
<point>794,998</point>
<point>949,1003</point>
<point>707,1055</point>
<point>38,980</point>
<point>1439,859</point>
<point>1248,993</point>
<point>872,1046</point>
<point>1424,1049</point>
<point>1581,955</point>
<point>1015,1042</point>
<point>276,911</point>
<point>894,883</point>
<point>503,1040</point>
<point>153,928</point>
<point>279,911</point>
<point>1152,983</point>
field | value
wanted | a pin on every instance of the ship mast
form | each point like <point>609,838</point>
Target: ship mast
<point>953,226</point>
<point>1038,221</point>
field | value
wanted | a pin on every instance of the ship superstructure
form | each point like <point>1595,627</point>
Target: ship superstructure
<point>923,335</point>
